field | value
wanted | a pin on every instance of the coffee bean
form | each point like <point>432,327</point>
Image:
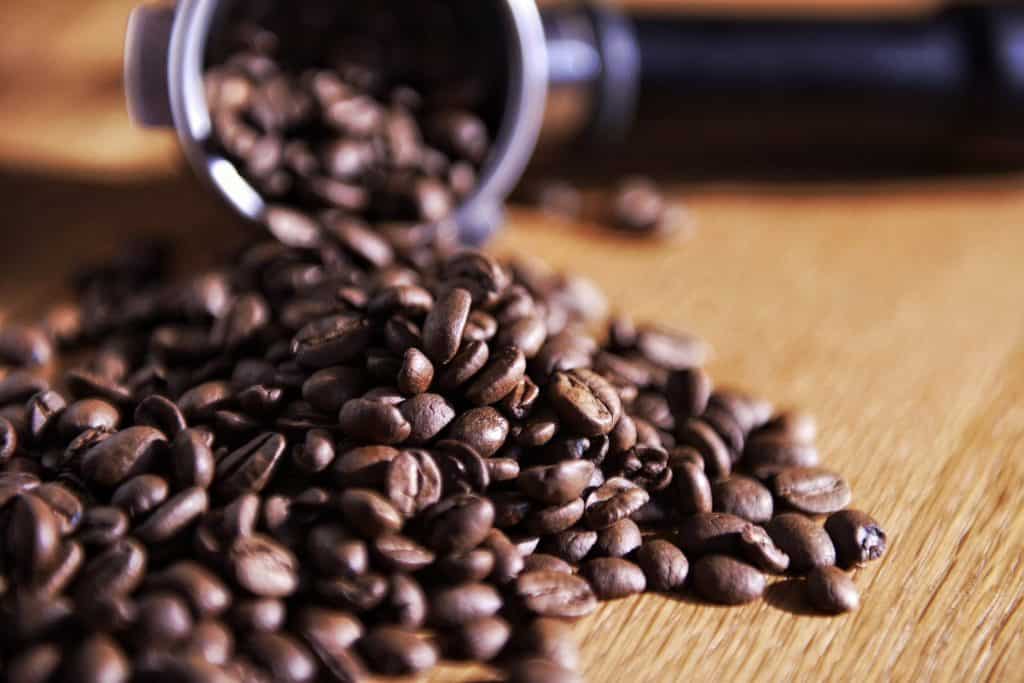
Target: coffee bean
<point>200,402</point>
<point>692,489</point>
<point>329,389</point>
<point>502,469</point>
<point>556,518</point>
<point>807,544</point>
<point>316,454</point>
<point>470,360</point>
<point>206,594</point>
<point>619,540</point>
<point>699,435</point>
<point>766,455</point>
<point>616,499</point>
<point>664,565</point>
<point>728,429</point>
<point>553,594</point>
<point>364,466</point>
<point>211,641</point>
<point>336,552</point>
<point>475,565</point>
<point>743,497</point>
<point>459,523</point>
<point>758,548</point>
<point>163,618</point>
<point>262,566</point>
<point>444,325</point>
<point>396,651</point>
<point>857,537</point>
<point>499,378</point>
<point>158,412</point>
<point>688,391</point>
<point>374,422</point>
<point>37,664</point>
<point>251,467</point>
<point>291,227</point>
<point>671,350</point>
<point>556,484</point>
<point>118,570</point>
<point>252,615</point>
<point>87,414</point>
<point>64,503</point>
<point>480,639</point>
<point>482,429</point>
<point>192,458</point>
<point>400,553</point>
<point>541,671</point>
<point>508,561</point>
<point>710,532</point>
<point>24,345</point>
<point>573,544</point>
<point>122,456</point>
<point>793,426</point>
<point>586,401</point>
<point>97,658</point>
<point>812,490</point>
<point>360,593</point>
<point>331,341</point>
<point>612,577</point>
<point>173,516</point>
<point>538,562</point>
<point>33,538</point>
<point>369,513</point>
<point>8,440</point>
<point>287,660</point>
<point>405,603</point>
<point>464,603</point>
<point>416,373</point>
<point>831,590</point>
<point>722,579</point>
<point>139,495</point>
<point>327,630</point>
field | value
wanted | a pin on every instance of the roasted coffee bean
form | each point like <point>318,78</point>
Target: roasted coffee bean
<point>510,508</point>
<point>619,540</point>
<point>765,455</point>
<point>284,657</point>
<point>8,440</point>
<point>699,435</point>
<point>413,482</point>
<point>760,550</point>
<point>202,589</point>
<point>369,513</point>
<point>364,466</point>
<point>316,454</point>
<point>464,603</point>
<point>857,537</point>
<point>445,324</point>
<point>63,502</point>
<point>139,495</point>
<point>174,516</point>
<point>743,497</point>
<point>97,658</point>
<point>33,538</point>
<point>467,363</point>
<point>616,499</point>
<point>200,402</point>
<point>462,468</point>
<point>572,545</point>
<point>483,429</point>
<point>20,385</point>
<point>162,618</point>
<point>556,518</point>
<point>538,670</point>
<point>24,345</point>
<point>613,577</point>
<point>396,651</point>
<point>831,590</point>
<point>693,492</point>
<point>722,579</point>
<point>499,378</point>
<point>428,415</point>
<point>807,544</point>
<point>710,532</point>
<point>210,641</point>
<point>371,421</point>
<point>405,603</point>
<point>554,594</point>
<point>123,455</point>
<point>336,552</point>
<point>585,401</point>
<point>459,523</point>
<point>250,468</point>
<point>262,566</point>
<point>102,525</point>
<point>37,664</point>
<point>359,593</point>
<point>508,560</point>
<point>118,570</point>
<point>416,373</point>
<point>400,553</point>
<point>90,413</point>
<point>331,341</point>
<point>192,458</point>
<point>730,431</point>
<point>475,565</point>
<point>329,389</point>
<point>480,639</point>
<point>291,227</point>
<point>537,562</point>
<point>84,384</point>
<point>327,630</point>
<point>42,414</point>
<point>794,426</point>
<point>556,484</point>
<point>688,392</point>
<point>160,413</point>
<point>257,614</point>
<point>671,350</point>
<point>812,490</point>
<point>664,565</point>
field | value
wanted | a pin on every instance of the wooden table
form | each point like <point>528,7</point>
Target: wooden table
<point>893,312</point>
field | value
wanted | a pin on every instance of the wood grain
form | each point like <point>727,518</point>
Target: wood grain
<point>891,311</point>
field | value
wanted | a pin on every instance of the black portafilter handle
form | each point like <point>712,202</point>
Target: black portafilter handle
<point>681,93</point>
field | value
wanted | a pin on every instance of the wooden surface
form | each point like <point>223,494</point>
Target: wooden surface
<point>893,312</point>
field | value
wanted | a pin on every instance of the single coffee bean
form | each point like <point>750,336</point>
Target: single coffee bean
<point>619,540</point>
<point>536,670</point>
<point>251,467</point>
<point>831,590</point>
<point>464,603</point>
<point>118,570</point>
<point>585,401</point>
<point>316,454</point>
<point>613,577</point>
<point>89,413</point>
<point>69,561</point>
<point>371,421</point>
<point>538,562</point>
<point>459,523</point>
<point>210,641</point>
<point>807,544</point>
<point>174,516</point>
<point>573,544</point>
<point>616,499</point>
<point>160,413</point>
<point>33,538</point>
<point>405,603</point>
<point>98,658</point>
<point>257,614</point>
<point>857,537</point>
<point>480,640</point>
<point>162,618</point>
<point>483,429</point>
<point>710,532</point>
<point>192,458</point>
<point>671,350</point>
<point>555,518</point>
<point>499,378</point>
<point>291,227</point>
<point>400,553</point>
<point>363,466</point>
<point>765,455</point>
<point>416,373</point>
<point>664,565</point>
<point>699,435</point>
<point>336,552</point>
<point>329,389</point>
<point>200,402</point>
<point>728,429</point>
<point>205,593</point>
<point>467,363</point>
<point>8,440</point>
<point>812,490</point>
<point>64,503</point>
<point>508,561</point>
<point>284,657</point>
<point>428,415</point>
<point>549,639</point>
<point>692,488</point>
<point>556,484</point>
<point>331,341</point>
<point>688,391</point>
<point>396,651</point>
<point>24,345</point>
<point>413,482</point>
<point>445,324</point>
<point>722,579</point>
<point>262,566</point>
<point>139,495</point>
<point>328,630</point>
<point>554,594</point>
<point>743,497</point>
<point>122,456</point>
<point>475,565</point>
<point>792,425</point>
<point>360,593</point>
<point>369,513</point>
<point>758,548</point>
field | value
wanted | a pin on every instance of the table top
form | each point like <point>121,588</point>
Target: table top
<point>892,311</point>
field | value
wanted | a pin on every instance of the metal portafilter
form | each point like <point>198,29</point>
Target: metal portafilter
<point>657,91</point>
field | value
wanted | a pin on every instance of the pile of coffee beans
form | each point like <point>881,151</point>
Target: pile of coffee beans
<point>371,116</point>
<point>372,453</point>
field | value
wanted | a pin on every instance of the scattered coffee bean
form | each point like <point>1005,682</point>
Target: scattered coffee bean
<point>830,589</point>
<point>807,544</point>
<point>743,497</point>
<point>664,565</point>
<point>613,577</point>
<point>812,490</point>
<point>721,578</point>
<point>857,537</point>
